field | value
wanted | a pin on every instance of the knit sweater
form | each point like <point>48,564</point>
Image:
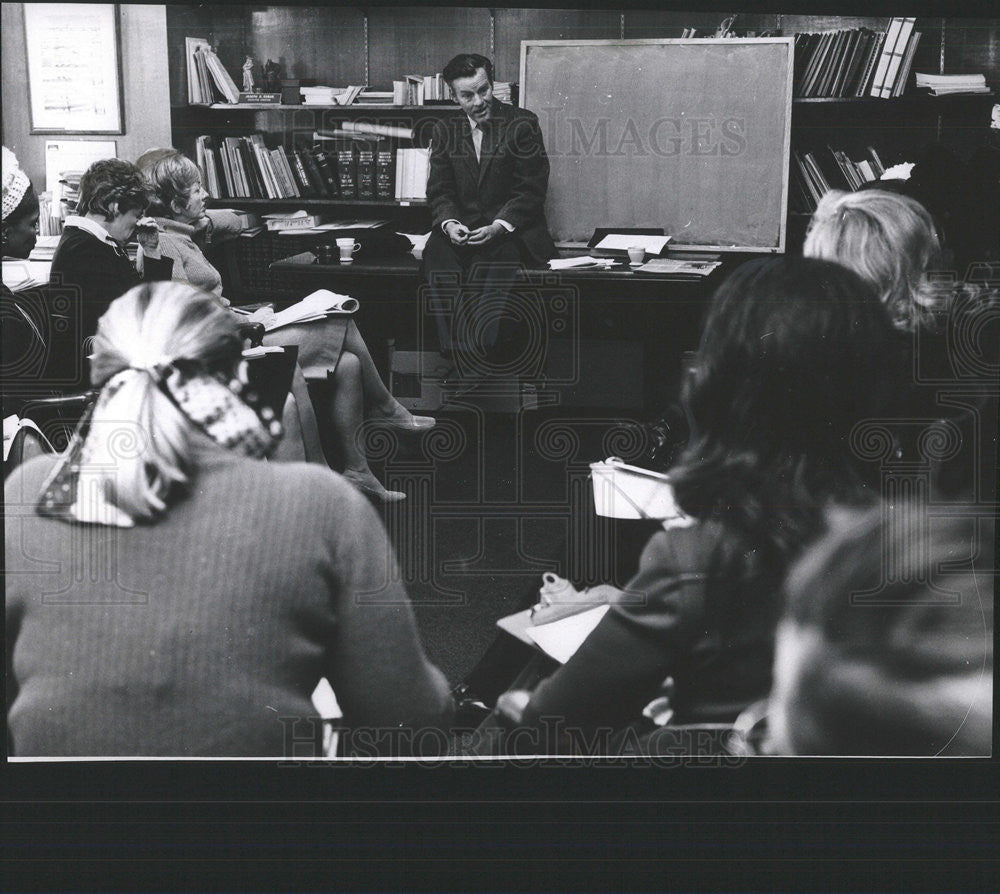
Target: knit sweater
<point>205,633</point>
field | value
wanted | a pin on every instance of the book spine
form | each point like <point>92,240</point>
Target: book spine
<point>385,170</point>
<point>366,170</point>
<point>347,170</point>
<point>864,85</point>
<point>315,177</point>
<point>896,58</point>
<point>327,169</point>
<point>299,168</point>
<point>891,36</point>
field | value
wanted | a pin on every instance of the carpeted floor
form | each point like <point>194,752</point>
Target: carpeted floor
<point>495,500</point>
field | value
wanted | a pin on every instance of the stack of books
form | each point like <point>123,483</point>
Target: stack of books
<point>816,173</point>
<point>208,80</point>
<point>503,90</point>
<point>942,85</point>
<point>69,192</point>
<point>375,97</point>
<point>855,62</point>
<point>322,96</point>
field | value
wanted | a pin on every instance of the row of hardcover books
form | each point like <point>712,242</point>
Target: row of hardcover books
<point>814,173</point>
<point>365,170</point>
<point>855,62</point>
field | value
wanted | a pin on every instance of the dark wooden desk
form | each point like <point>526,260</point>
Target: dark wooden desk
<point>664,313</point>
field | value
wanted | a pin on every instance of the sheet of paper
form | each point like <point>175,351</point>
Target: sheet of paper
<point>562,638</point>
<point>582,261</point>
<point>19,274</point>
<point>352,225</point>
<point>623,241</point>
<point>671,266</point>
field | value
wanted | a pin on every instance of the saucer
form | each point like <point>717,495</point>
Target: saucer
<point>636,263</point>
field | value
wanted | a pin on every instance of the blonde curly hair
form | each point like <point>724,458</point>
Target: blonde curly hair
<point>889,240</point>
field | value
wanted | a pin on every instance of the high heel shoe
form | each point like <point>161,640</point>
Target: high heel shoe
<point>403,419</point>
<point>370,486</point>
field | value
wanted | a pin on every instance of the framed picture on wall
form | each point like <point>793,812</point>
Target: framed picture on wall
<point>74,67</point>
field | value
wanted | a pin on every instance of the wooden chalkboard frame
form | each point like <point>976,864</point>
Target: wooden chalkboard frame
<point>527,98</point>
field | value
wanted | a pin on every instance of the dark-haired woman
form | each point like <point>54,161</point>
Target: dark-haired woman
<point>794,353</point>
<point>91,256</point>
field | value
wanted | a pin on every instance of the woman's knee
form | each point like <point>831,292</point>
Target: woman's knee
<point>348,367</point>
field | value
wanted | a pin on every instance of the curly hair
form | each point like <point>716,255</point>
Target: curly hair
<point>888,239</point>
<point>112,187</point>
<point>794,353</point>
<point>171,176</point>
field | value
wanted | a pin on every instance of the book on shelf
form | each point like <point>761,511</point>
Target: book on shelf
<point>895,58</point>
<point>347,169</point>
<point>854,62</point>
<point>208,80</point>
<point>196,86</point>
<point>385,169</point>
<point>327,166</point>
<point>815,173</point>
<point>907,63</point>
<point>364,151</point>
<point>375,97</point>
<point>412,168</point>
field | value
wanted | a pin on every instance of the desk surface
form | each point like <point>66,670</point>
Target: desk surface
<point>408,267</point>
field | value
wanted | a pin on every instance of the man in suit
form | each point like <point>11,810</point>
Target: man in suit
<point>486,190</point>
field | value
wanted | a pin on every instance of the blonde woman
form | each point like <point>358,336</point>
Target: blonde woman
<point>334,344</point>
<point>948,329</point>
<point>888,239</point>
<point>169,593</point>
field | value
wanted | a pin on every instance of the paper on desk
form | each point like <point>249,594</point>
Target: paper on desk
<point>562,638</point>
<point>352,225</point>
<point>580,262</point>
<point>673,266</point>
<point>286,215</point>
<point>314,306</point>
<point>623,241</point>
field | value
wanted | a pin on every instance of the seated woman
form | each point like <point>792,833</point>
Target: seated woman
<point>793,354</point>
<point>91,254</point>
<point>948,329</point>
<point>902,664</point>
<point>236,585</point>
<point>333,344</point>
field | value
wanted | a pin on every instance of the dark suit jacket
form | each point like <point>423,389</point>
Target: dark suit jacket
<point>99,274</point>
<point>509,182</point>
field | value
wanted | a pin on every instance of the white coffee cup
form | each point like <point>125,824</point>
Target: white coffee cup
<point>347,247</point>
<point>636,254</point>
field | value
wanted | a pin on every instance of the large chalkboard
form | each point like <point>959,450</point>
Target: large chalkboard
<point>688,135</point>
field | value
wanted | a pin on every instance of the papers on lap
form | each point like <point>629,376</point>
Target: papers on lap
<point>316,306</point>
